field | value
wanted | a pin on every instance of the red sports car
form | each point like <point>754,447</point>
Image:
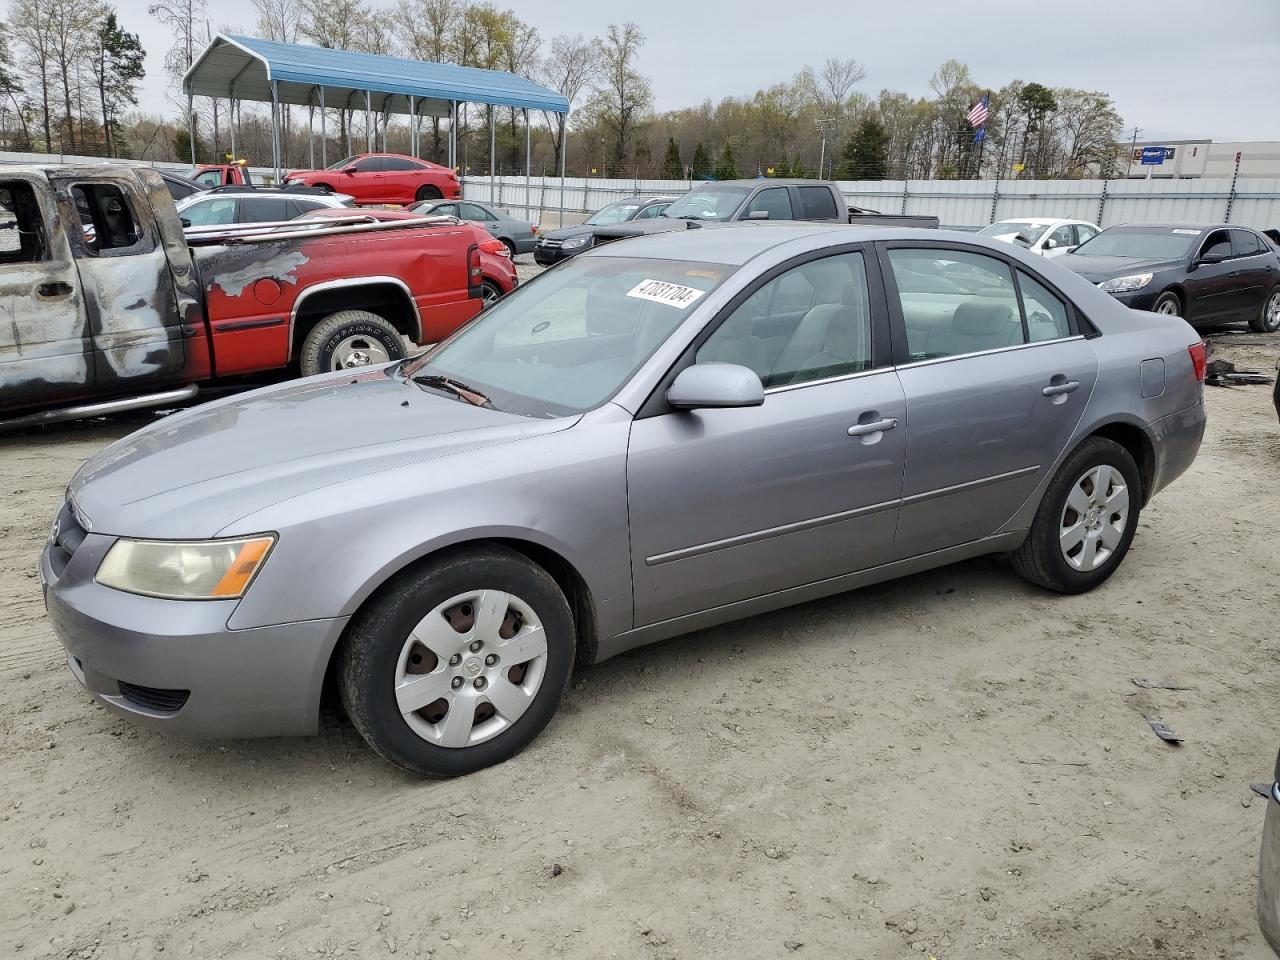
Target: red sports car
<point>383,178</point>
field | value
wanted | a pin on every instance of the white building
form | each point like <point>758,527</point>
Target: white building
<point>1204,158</point>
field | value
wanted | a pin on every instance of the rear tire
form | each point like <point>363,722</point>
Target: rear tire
<point>325,187</point>
<point>1076,541</point>
<point>511,249</point>
<point>412,630</point>
<point>1168,303</point>
<point>349,339</point>
<point>492,293</point>
<point>428,192</point>
<point>1268,319</point>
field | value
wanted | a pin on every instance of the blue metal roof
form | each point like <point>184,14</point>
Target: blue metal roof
<point>244,67</point>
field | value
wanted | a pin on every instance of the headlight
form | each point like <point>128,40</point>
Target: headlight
<point>573,243</point>
<point>203,570</point>
<point>1125,284</point>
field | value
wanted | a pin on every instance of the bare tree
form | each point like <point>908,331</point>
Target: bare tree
<point>32,35</point>
<point>427,29</point>
<point>837,78</point>
<point>572,65</point>
<point>336,24</point>
<point>624,94</point>
<point>278,19</point>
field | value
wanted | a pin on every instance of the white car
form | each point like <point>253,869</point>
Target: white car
<point>228,205</point>
<point>1046,236</point>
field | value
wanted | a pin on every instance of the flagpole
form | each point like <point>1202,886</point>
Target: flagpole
<point>982,144</point>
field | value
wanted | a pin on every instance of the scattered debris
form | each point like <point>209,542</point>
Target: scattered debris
<point>556,870</point>
<point>1046,762</point>
<point>793,945</point>
<point>1161,730</point>
<point>1223,373</point>
<point>1261,789</point>
<point>1159,684</point>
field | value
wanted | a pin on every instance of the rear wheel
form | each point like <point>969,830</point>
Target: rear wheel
<point>511,248</point>
<point>1086,520</point>
<point>1168,304</point>
<point>428,192</point>
<point>1268,320</point>
<point>492,292</point>
<point>460,664</point>
<point>349,339</point>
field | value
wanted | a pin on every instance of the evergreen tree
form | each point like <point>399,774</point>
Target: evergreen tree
<point>701,162</point>
<point>727,168</point>
<point>866,155</point>
<point>117,68</point>
<point>673,166</point>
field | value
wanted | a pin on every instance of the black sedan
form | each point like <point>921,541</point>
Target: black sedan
<point>1207,274</point>
<point>556,245</point>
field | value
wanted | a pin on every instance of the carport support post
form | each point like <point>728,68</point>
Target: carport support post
<point>275,131</point>
<point>324,137</point>
<point>528,164</point>
<point>191,125</point>
<point>311,136</point>
<point>564,152</point>
<point>368,130</point>
<point>413,129</point>
<point>493,165</point>
<point>234,118</point>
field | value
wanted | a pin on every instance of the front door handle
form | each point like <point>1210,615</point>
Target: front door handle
<point>1058,389</point>
<point>875,426</point>
<point>53,290</point>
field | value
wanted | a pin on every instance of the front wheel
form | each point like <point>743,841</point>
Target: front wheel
<point>1268,320</point>
<point>1168,304</point>
<point>1086,520</point>
<point>459,664</point>
<point>428,193</point>
<point>349,339</point>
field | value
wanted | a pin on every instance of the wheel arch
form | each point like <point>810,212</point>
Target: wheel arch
<point>388,297</point>
<point>1178,291</point>
<point>1137,441</point>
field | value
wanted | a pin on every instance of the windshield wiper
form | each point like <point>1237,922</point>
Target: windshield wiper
<point>460,390</point>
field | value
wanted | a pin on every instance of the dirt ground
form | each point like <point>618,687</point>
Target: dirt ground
<point>954,765</point>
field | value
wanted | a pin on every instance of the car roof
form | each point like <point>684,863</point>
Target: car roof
<point>736,243</point>
<point>1175,225</point>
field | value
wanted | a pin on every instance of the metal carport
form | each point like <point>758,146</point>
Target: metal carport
<point>238,68</point>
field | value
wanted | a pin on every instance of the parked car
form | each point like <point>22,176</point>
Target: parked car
<point>1269,859</point>
<point>180,187</point>
<point>229,205</point>
<point>210,175</point>
<point>518,235</point>
<point>497,269</point>
<point>136,313</point>
<point>1046,236</point>
<point>383,178</point>
<point>729,200</point>
<point>654,437</point>
<point>556,245</point>
<point>1208,274</point>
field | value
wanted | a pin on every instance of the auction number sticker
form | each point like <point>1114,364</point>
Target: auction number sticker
<point>1190,233</point>
<point>660,291</point>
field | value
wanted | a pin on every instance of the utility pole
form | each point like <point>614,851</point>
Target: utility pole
<point>1133,148</point>
<point>822,157</point>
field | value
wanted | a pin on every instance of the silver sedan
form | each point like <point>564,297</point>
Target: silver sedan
<point>657,436</point>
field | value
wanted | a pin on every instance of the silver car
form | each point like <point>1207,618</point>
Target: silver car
<point>657,436</point>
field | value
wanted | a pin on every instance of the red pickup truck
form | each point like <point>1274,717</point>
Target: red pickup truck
<point>106,305</point>
<point>210,175</point>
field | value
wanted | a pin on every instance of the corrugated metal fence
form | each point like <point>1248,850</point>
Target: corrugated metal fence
<point>967,204</point>
<point>957,203</point>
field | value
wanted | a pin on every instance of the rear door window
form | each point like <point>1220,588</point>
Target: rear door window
<point>1247,244</point>
<point>107,219</point>
<point>818,204</point>
<point>400,164</point>
<point>263,209</point>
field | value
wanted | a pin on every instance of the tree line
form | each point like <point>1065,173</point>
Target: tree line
<point>69,76</point>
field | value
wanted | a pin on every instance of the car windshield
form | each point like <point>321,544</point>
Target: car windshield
<point>711,202</point>
<point>613,213</point>
<point>1030,228</point>
<point>341,163</point>
<point>1141,243</point>
<point>570,339</point>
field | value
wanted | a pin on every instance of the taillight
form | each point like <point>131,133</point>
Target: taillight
<point>1199,359</point>
<point>533,229</point>
<point>496,247</point>
<point>475,275</point>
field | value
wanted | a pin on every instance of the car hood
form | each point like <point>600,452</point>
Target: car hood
<point>564,233</point>
<point>1097,269</point>
<point>192,474</point>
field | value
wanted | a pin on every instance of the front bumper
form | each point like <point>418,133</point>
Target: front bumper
<point>1269,872</point>
<point>550,256</point>
<point>175,666</point>
<point>1143,299</point>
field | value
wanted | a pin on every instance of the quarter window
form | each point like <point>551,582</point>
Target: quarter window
<point>811,323</point>
<point>955,303</point>
<point>1046,314</point>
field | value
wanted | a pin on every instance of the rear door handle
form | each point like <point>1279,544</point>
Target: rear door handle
<point>875,426</point>
<point>54,290</point>
<point>1058,389</point>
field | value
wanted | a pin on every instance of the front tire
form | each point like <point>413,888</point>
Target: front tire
<point>349,339</point>
<point>428,193</point>
<point>1168,303</point>
<point>1268,319</point>
<point>459,664</point>
<point>1086,520</point>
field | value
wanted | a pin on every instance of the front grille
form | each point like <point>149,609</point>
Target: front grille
<point>548,244</point>
<point>66,538</point>
<point>154,698</point>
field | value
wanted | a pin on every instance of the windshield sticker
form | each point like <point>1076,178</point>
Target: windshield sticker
<point>659,291</point>
<point>1190,233</point>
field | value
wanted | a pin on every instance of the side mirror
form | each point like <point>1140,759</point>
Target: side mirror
<point>715,385</point>
<point>1050,244</point>
<point>350,169</point>
<point>185,222</point>
<point>758,215</point>
<point>1023,239</point>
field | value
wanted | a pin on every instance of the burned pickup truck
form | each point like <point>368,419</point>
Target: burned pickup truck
<point>106,305</point>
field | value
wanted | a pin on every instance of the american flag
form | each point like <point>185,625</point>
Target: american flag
<point>978,115</point>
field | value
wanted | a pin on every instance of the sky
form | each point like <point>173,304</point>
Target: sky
<point>1178,69</point>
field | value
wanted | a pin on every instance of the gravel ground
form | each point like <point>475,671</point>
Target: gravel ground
<point>954,765</point>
